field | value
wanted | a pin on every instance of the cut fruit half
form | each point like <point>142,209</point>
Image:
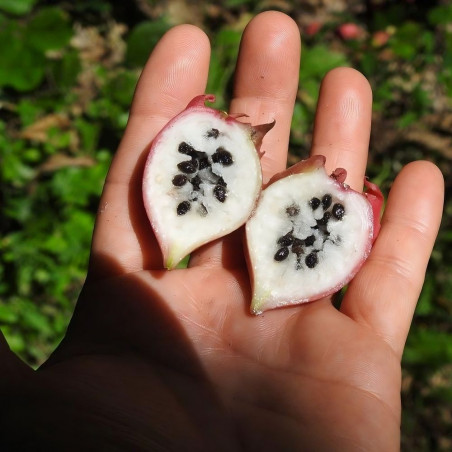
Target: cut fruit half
<point>202,178</point>
<point>309,235</point>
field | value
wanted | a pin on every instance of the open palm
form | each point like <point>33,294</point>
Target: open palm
<point>172,360</point>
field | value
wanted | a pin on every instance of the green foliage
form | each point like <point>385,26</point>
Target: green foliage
<point>143,37</point>
<point>23,46</point>
<point>317,60</point>
<point>17,7</point>
<point>49,29</point>
<point>67,77</point>
<point>222,65</point>
<point>428,348</point>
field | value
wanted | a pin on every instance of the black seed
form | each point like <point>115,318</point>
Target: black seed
<point>281,254</point>
<point>213,133</point>
<point>286,240</point>
<point>326,201</point>
<point>179,180</point>
<point>338,211</point>
<point>221,182</point>
<point>185,148</point>
<point>220,193</point>
<point>314,203</point>
<point>188,166</point>
<point>311,260</point>
<point>324,220</point>
<point>203,162</point>
<point>309,241</point>
<point>298,246</point>
<point>293,210</point>
<point>196,182</point>
<point>183,208</point>
<point>223,157</point>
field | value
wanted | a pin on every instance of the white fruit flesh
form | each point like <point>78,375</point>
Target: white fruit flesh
<point>180,234</point>
<point>340,251</point>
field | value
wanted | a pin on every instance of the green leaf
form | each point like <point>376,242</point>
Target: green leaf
<point>89,133</point>
<point>224,53</point>
<point>76,186</point>
<point>7,315</point>
<point>407,119</point>
<point>301,122</point>
<point>427,347</point>
<point>441,15</point>
<point>13,169</point>
<point>142,40</point>
<point>318,60</point>
<point>15,340</point>
<point>21,68</point>
<point>49,30</point>
<point>34,319</point>
<point>121,87</point>
<point>65,70</point>
<point>17,7</point>
<point>425,303</point>
<point>28,111</point>
<point>406,42</point>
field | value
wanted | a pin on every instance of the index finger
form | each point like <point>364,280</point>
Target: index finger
<point>175,73</point>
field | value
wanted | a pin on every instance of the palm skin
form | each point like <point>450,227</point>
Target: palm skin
<point>158,360</point>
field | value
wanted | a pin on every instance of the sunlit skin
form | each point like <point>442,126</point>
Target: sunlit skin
<point>172,360</point>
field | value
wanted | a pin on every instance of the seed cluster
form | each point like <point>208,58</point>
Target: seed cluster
<point>198,170</point>
<point>302,247</point>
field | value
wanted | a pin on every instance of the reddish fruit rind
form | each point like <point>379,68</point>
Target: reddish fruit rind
<point>303,166</point>
<point>339,174</point>
<point>376,200</point>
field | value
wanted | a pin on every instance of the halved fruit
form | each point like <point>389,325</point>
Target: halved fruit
<point>309,235</point>
<point>202,178</point>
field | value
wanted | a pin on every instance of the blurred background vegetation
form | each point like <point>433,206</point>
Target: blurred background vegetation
<point>67,76</point>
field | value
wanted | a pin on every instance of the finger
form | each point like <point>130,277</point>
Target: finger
<point>265,88</point>
<point>175,73</point>
<point>342,123</point>
<point>266,82</point>
<point>384,293</point>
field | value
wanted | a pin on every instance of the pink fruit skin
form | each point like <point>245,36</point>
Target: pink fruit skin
<point>373,195</point>
<point>197,104</point>
<point>376,200</point>
<point>313,28</point>
<point>349,31</point>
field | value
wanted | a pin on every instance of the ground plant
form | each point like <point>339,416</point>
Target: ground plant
<point>67,76</point>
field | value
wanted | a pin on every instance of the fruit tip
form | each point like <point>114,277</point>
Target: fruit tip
<point>257,306</point>
<point>310,164</point>
<point>171,262</point>
<point>200,100</point>
<point>339,174</point>
<point>255,311</point>
<point>258,132</point>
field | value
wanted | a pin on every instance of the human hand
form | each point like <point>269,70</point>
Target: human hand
<point>172,360</point>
